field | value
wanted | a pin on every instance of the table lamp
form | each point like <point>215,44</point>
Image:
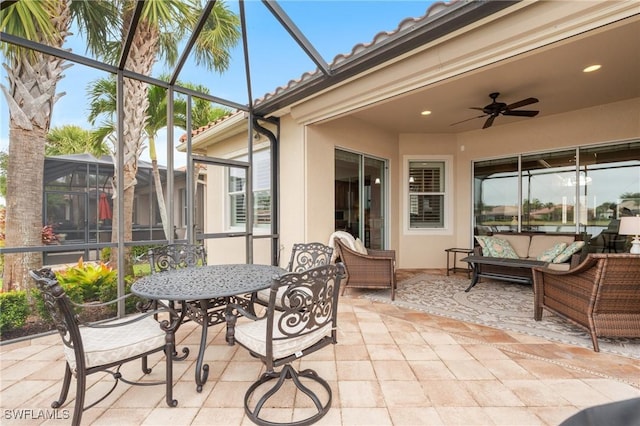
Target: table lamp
<point>630,225</point>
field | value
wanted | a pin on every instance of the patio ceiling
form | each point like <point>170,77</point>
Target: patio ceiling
<point>552,74</point>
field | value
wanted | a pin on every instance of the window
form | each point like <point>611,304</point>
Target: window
<point>261,192</point>
<point>577,190</point>
<point>427,206</point>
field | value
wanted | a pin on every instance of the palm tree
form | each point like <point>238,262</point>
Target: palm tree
<point>102,101</point>
<point>71,139</point>
<point>32,91</point>
<point>162,25</point>
<point>31,95</point>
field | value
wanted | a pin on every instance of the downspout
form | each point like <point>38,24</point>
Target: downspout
<point>275,183</point>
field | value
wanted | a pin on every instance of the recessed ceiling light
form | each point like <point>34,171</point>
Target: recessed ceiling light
<point>426,112</point>
<point>592,68</point>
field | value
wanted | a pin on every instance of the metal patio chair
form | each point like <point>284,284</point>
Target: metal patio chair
<point>304,256</point>
<point>103,347</point>
<point>306,324</point>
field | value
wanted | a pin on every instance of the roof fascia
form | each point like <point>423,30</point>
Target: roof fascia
<point>231,126</point>
<point>458,16</point>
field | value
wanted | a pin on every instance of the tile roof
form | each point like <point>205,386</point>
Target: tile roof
<point>406,25</point>
<point>209,125</point>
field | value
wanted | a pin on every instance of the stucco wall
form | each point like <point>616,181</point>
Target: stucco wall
<point>353,135</point>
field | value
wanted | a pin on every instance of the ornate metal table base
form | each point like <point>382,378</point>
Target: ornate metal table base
<point>204,293</point>
<point>207,313</point>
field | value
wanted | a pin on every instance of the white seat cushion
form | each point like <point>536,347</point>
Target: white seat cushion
<point>252,335</point>
<point>263,296</point>
<point>106,345</point>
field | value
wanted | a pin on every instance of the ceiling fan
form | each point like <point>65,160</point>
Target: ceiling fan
<point>496,108</point>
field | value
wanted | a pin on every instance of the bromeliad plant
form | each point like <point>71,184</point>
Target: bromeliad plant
<point>87,280</point>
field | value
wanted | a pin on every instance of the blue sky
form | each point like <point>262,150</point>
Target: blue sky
<point>332,26</point>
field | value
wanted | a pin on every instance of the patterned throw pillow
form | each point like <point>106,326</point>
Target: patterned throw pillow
<point>496,247</point>
<point>550,254</point>
<point>566,254</point>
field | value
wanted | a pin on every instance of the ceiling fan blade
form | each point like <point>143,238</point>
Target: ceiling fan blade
<point>468,119</point>
<point>489,121</point>
<point>522,103</point>
<point>478,108</point>
<point>521,113</point>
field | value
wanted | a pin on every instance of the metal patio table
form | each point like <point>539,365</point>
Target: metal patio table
<point>202,284</point>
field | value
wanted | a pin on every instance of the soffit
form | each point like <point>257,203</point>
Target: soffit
<point>541,58</point>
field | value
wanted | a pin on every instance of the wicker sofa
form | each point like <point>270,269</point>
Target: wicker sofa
<point>602,295</point>
<point>529,246</point>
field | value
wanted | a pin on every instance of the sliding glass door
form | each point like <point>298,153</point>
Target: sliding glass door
<point>360,197</point>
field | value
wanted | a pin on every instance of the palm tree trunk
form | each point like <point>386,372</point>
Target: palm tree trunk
<point>24,205</point>
<point>141,58</point>
<point>31,94</point>
<point>158,184</point>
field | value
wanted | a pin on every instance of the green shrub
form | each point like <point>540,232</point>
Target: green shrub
<point>13,310</point>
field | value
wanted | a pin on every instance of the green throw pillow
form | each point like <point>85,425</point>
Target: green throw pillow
<point>496,247</point>
<point>550,254</point>
<point>566,254</point>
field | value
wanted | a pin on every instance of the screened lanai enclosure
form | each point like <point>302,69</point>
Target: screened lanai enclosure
<point>78,206</point>
<point>161,69</point>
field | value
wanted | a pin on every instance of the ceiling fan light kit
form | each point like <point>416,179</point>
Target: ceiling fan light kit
<point>495,108</point>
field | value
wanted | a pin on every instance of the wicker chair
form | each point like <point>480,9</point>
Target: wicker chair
<point>306,323</point>
<point>602,295</point>
<point>303,257</point>
<point>374,270</point>
<point>103,347</point>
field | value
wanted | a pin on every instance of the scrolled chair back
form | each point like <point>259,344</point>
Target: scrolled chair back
<point>58,307</point>
<point>176,256</point>
<point>305,256</point>
<point>309,302</point>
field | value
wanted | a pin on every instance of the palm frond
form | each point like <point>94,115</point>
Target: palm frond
<point>30,20</point>
<point>220,34</point>
<point>98,21</point>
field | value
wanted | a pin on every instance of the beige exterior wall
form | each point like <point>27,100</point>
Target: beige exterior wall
<point>607,123</point>
<point>352,135</point>
<point>307,204</point>
<point>312,129</point>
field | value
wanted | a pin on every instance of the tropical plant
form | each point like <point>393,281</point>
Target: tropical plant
<point>88,277</point>
<point>71,139</point>
<point>31,95</point>
<point>102,103</point>
<point>161,26</point>
<point>49,235</point>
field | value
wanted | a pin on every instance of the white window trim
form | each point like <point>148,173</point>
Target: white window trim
<point>259,230</point>
<point>447,229</point>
